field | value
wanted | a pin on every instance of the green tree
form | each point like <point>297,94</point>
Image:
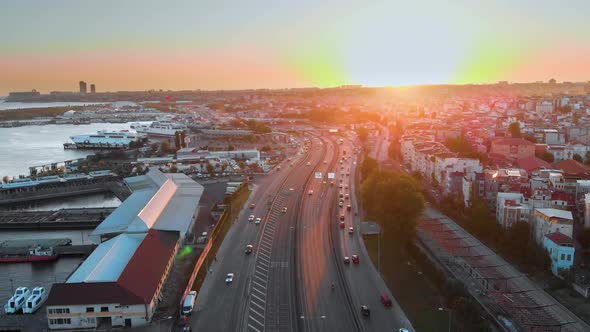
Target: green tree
<point>177,140</point>
<point>584,238</point>
<point>565,109</point>
<point>578,158</point>
<point>265,148</point>
<point>587,162</point>
<point>576,118</point>
<point>183,139</point>
<point>165,147</point>
<point>545,155</point>
<point>173,169</point>
<point>230,147</point>
<point>363,134</point>
<point>393,200</point>
<point>369,165</point>
<point>514,129</point>
<point>241,164</point>
<point>210,169</point>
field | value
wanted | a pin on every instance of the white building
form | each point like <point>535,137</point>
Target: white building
<point>552,221</point>
<point>162,201</point>
<point>119,284</point>
<point>511,208</point>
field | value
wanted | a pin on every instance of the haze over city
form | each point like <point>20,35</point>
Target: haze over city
<point>313,166</point>
<point>141,45</point>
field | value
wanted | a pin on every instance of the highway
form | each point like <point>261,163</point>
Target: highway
<point>285,284</point>
<point>261,295</point>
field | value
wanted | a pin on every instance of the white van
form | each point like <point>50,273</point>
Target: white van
<point>189,302</point>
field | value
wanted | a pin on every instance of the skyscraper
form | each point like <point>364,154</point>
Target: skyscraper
<point>92,89</point>
<point>82,87</point>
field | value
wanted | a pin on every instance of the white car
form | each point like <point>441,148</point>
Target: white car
<point>229,278</point>
<point>251,217</point>
<point>350,230</point>
<point>310,192</point>
<point>285,209</point>
<point>257,221</point>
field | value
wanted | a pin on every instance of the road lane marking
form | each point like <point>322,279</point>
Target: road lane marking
<point>259,291</point>
<point>254,319</point>
<point>259,284</point>
<point>258,305</point>
<point>252,327</point>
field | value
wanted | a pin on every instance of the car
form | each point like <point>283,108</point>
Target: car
<point>340,186</point>
<point>348,207</point>
<point>325,162</point>
<point>346,260</point>
<point>229,278</point>
<point>291,189</point>
<point>355,259</point>
<point>347,196</point>
<point>404,330</point>
<point>365,310</point>
<point>341,195</point>
<point>342,217</point>
<point>346,187</point>
<point>284,209</point>
<point>257,221</point>
<point>350,230</point>
<point>249,249</point>
<point>308,163</point>
<point>251,217</point>
<point>385,300</point>
<point>342,224</point>
<point>310,192</point>
<point>340,204</point>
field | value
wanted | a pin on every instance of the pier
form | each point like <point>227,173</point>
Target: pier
<point>84,218</point>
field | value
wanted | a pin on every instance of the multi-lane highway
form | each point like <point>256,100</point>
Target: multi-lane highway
<point>285,284</point>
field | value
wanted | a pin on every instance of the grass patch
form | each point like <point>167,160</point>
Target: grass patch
<point>417,296</point>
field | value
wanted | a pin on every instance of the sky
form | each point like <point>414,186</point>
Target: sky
<point>221,44</point>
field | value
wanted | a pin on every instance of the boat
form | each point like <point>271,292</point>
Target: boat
<point>36,254</point>
<point>17,301</point>
<point>109,138</point>
<point>35,301</point>
<point>161,128</point>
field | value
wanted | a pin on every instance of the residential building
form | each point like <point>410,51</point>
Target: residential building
<point>549,221</point>
<point>561,251</point>
<point>511,208</point>
<point>513,148</point>
<point>92,88</point>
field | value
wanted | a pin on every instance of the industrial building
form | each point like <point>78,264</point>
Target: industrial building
<point>113,287</point>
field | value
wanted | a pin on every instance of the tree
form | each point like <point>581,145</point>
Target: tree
<point>584,238</point>
<point>183,139</point>
<point>369,165</point>
<point>363,134</point>
<point>393,200</point>
<point>241,164</point>
<point>576,118</point>
<point>154,148</point>
<point>394,150</point>
<point>173,169</point>
<point>177,140</point>
<point>165,147</point>
<point>514,129</point>
<point>545,155</point>
<point>265,148</point>
<point>578,158</point>
<point>210,169</point>
<point>564,109</point>
<point>6,179</point>
<point>230,147</point>
<point>587,162</point>
<point>529,138</point>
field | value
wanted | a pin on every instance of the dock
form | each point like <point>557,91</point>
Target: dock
<point>83,218</point>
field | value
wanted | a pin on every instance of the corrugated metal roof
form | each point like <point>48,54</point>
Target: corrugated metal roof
<point>108,260</point>
<point>121,218</point>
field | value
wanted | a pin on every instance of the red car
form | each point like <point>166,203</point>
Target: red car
<point>385,300</point>
<point>355,259</point>
<point>342,224</point>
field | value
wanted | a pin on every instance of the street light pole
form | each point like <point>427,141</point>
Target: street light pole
<point>379,251</point>
<point>450,313</point>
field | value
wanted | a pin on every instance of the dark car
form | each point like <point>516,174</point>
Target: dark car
<point>252,205</point>
<point>346,260</point>
<point>342,217</point>
<point>385,300</point>
<point>365,311</point>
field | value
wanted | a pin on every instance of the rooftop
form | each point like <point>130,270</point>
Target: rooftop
<point>560,239</point>
<point>556,213</point>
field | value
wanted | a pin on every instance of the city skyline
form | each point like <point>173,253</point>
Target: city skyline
<point>211,46</point>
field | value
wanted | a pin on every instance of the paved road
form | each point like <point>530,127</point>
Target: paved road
<point>321,308</point>
<point>262,291</point>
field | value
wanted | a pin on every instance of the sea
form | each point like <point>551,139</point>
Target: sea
<point>21,147</point>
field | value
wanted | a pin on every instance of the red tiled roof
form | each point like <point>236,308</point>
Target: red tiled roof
<point>90,293</point>
<point>573,167</point>
<point>560,239</point>
<point>512,141</point>
<point>144,271</point>
<point>532,163</point>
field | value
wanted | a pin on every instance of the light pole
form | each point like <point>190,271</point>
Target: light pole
<point>379,251</point>
<point>449,311</point>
